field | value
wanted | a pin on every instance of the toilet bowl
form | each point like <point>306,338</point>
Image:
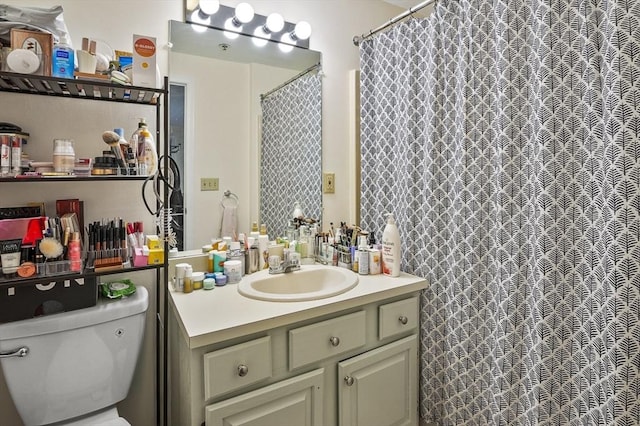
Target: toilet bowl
<point>73,368</point>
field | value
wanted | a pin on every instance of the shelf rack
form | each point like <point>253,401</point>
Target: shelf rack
<point>100,89</point>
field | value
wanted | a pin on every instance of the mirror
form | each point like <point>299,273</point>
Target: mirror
<point>251,117</point>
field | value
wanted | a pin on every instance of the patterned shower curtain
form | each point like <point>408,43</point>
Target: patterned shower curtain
<point>505,137</point>
<point>291,153</point>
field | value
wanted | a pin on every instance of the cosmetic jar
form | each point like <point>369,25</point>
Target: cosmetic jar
<point>209,283</point>
<point>233,270</point>
<point>221,280</point>
<point>198,279</point>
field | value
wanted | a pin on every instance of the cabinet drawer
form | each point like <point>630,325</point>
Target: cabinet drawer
<point>294,401</point>
<point>325,339</point>
<point>237,366</point>
<point>397,317</point>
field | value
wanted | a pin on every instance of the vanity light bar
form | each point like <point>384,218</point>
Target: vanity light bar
<point>260,27</point>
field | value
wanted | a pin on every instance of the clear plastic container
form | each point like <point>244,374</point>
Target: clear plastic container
<point>64,156</point>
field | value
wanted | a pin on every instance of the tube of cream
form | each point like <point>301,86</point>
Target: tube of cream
<point>10,256</point>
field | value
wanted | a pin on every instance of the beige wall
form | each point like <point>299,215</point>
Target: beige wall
<point>334,23</point>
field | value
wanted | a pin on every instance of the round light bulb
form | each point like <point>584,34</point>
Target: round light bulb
<point>209,7</point>
<point>231,31</point>
<point>275,22</point>
<point>286,43</point>
<point>198,24</point>
<point>260,38</point>
<point>244,12</point>
<point>302,30</point>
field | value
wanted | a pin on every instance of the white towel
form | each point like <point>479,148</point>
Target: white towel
<point>229,222</point>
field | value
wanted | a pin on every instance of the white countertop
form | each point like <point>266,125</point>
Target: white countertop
<point>210,316</point>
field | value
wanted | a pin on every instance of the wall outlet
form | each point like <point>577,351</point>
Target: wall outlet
<point>208,184</point>
<point>329,183</point>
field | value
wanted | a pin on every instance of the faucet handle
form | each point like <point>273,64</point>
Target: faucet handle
<point>275,264</point>
<point>294,258</point>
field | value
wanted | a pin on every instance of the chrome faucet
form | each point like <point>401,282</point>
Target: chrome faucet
<point>290,263</point>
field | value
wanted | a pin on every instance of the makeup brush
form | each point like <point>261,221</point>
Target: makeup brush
<point>50,248</point>
<point>113,140</point>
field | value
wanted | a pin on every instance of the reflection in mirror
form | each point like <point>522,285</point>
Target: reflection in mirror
<point>238,96</point>
<point>291,157</point>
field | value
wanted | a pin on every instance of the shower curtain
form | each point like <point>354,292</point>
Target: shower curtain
<point>291,153</point>
<point>504,136</point>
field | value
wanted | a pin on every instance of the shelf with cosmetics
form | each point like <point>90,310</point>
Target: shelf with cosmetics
<point>40,292</point>
<point>92,90</point>
<point>86,273</point>
<point>27,178</point>
<point>78,88</point>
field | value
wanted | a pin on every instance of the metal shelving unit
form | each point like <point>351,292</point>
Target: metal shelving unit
<point>103,90</point>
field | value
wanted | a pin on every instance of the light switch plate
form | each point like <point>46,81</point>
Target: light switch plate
<point>329,183</point>
<point>208,184</point>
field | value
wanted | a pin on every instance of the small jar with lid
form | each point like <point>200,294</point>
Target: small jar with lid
<point>197,278</point>
<point>64,156</point>
<point>209,283</point>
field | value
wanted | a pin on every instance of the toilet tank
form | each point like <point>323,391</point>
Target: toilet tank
<point>78,362</point>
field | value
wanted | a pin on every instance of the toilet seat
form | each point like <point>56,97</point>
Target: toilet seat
<point>120,421</point>
<point>108,417</point>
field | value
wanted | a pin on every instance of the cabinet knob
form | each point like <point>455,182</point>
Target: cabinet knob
<point>403,320</point>
<point>348,380</point>
<point>242,370</point>
<point>335,341</point>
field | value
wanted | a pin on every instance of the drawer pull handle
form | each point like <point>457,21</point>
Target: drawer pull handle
<point>243,370</point>
<point>348,380</point>
<point>335,341</point>
<point>403,320</point>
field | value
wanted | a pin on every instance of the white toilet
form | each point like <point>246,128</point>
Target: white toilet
<point>78,365</point>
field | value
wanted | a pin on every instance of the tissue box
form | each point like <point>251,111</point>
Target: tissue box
<point>19,301</point>
<point>153,242</point>
<point>156,256</point>
<point>140,258</point>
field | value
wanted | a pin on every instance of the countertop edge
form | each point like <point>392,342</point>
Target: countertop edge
<point>252,327</point>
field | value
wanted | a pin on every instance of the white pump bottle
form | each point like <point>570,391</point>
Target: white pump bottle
<point>391,248</point>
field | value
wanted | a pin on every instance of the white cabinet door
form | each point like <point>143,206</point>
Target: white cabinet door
<point>294,402</point>
<point>380,387</point>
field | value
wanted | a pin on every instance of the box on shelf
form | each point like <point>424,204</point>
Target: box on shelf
<point>51,295</point>
<point>139,257</point>
<point>156,256</point>
<point>153,242</point>
<point>40,43</point>
<point>144,61</point>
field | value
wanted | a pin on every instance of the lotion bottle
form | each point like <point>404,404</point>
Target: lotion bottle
<point>391,248</point>
<point>147,155</point>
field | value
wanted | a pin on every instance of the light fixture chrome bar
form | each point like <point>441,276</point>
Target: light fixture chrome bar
<point>359,39</point>
<point>291,80</point>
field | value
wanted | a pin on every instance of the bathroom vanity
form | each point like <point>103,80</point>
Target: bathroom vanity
<point>343,360</point>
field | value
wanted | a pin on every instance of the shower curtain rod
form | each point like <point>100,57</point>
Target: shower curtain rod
<point>291,80</point>
<point>359,39</point>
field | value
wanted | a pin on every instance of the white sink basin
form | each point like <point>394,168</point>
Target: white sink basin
<point>311,282</point>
